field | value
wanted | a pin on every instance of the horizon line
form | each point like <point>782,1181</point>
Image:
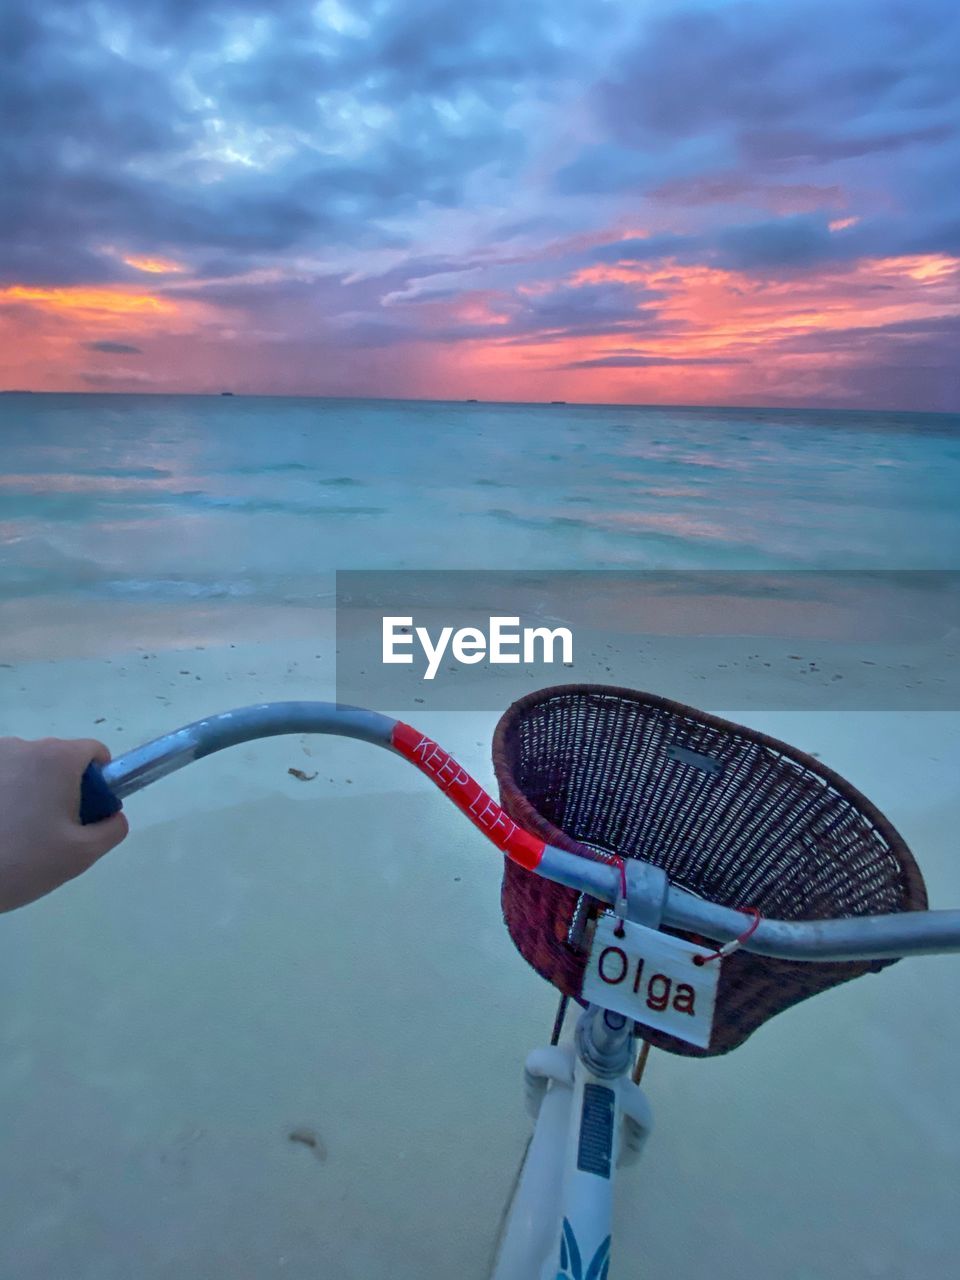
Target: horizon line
<point>543,404</point>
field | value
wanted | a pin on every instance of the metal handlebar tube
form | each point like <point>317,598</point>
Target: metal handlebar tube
<point>143,765</point>
<point>904,933</point>
<point>862,937</point>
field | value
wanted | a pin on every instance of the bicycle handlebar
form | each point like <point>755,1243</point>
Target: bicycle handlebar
<point>878,937</point>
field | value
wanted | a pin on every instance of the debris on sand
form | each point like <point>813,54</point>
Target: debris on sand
<point>309,1138</point>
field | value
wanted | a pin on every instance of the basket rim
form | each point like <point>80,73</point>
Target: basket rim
<point>915,894</point>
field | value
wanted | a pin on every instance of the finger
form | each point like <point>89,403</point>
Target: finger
<point>99,838</point>
<point>90,749</point>
<point>73,753</point>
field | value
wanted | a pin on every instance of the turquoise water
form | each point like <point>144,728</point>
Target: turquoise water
<point>197,498</point>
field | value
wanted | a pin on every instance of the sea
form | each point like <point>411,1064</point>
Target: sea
<point>181,499</point>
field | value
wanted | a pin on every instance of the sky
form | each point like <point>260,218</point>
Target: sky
<point>605,201</point>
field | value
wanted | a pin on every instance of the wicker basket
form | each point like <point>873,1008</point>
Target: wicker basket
<point>730,814</point>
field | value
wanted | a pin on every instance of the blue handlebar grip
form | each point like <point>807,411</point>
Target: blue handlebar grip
<point>97,801</point>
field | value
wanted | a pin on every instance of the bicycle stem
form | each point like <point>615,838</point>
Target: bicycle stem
<point>861,938</point>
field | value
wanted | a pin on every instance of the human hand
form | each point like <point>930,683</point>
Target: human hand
<point>42,842</point>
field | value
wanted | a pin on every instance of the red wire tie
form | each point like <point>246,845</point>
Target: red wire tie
<point>737,942</point>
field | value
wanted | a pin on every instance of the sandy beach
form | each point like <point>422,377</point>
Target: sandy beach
<point>280,1031</point>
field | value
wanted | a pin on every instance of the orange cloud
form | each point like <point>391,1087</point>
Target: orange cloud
<point>924,266</point>
<point>155,266</point>
<point>94,301</point>
<point>752,329</point>
<point>712,336</point>
<point>719,307</point>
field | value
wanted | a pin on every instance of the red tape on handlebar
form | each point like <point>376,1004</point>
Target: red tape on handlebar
<point>468,795</point>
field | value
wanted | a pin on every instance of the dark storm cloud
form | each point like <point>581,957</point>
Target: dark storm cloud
<point>616,168</point>
<point>820,72</point>
<point>122,119</point>
<point>114,348</point>
<point>249,128</point>
<point>781,245</point>
<point>734,189</point>
<point>779,146</point>
<point>593,305</point>
<point>409,49</point>
<point>746,103</point>
<point>786,242</point>
<point>937,338</point>
<point>941,236</point>
<point>68,118</point>
<point>48,255</point>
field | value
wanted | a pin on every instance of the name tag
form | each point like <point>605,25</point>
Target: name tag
<point>651,977</point>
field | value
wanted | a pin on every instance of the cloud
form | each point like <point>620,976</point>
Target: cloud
<point>829,70</point>
<point>255,129</point>
<point>415,188</point>
<point>928,342</point>
<point>595,305</point>
<point>735,190</point>
<point>438,284</point>
<point>114,348</point>
<point>713,105</point>
<point>649,362</point>
<point>797,241</point>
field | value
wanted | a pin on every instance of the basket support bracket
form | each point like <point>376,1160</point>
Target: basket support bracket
<point>647,887</point>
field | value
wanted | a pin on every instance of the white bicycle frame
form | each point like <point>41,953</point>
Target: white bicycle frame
<point>590,1118</point>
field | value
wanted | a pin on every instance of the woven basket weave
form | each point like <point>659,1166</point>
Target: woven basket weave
<point>771,828</point>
